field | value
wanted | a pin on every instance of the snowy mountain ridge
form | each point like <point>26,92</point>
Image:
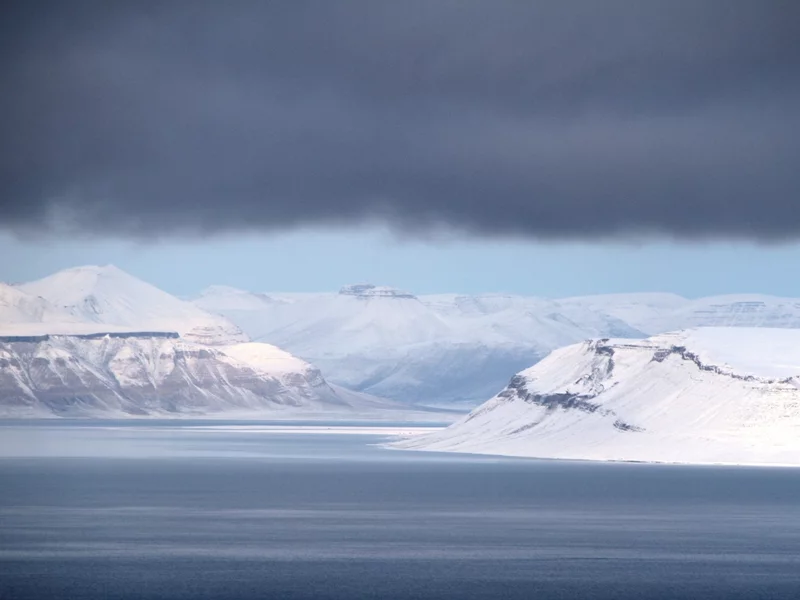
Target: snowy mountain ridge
<point>108,296</point>
<point>457,347</point>
<point>423,349</point>
<point>708,395</point>
<point>427,349</point>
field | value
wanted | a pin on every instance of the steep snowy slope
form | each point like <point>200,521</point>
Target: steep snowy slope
<point>17,306</point>
<point>711,395</point>
<point>25,314</point>
<point>111,297</point>
<point>427,349</point>
<point>139,374</point>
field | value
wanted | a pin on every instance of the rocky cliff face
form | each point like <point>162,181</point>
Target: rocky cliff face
<point>152,373</point>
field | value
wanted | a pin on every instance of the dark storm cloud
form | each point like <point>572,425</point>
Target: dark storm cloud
<point>548,119</point>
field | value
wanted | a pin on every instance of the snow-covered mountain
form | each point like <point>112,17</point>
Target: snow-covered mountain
<point>20,308</point>
<point>161,374</point>
<point>709,395</point>
<point>450,347</point>
<point>97,341</point>
<point>434,349</point>
<point>108,296</point>
<point>414,349</point>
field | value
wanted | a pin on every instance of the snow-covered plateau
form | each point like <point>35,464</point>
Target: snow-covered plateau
<point>708,395</point>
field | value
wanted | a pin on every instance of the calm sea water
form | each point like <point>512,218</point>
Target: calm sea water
<point>197,510</point>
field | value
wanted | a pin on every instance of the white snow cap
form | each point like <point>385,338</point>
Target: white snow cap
<point>110,297</point>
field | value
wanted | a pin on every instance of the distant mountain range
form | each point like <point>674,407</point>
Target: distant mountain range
<point>95,341</point>
<point>451,348</point>
<point>96,338</point>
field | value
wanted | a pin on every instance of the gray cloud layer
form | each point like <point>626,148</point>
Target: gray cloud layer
<point>549,119</point>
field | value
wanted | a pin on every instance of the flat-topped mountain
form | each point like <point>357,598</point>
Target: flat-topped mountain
<point>709,395</point>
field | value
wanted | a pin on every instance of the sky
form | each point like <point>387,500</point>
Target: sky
<point>459,145</point>
<point>325,260</point>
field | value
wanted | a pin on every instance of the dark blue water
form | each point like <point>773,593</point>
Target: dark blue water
<point>183,512</point>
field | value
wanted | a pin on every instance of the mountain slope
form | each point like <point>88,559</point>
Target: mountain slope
<point>446,348</point>
<point>18,307</point>
<point>711,395</point>
<point>23,314</point>
<point>648,312</point>
<point>161,374</point>
<point>110,297</point>
<point>429,349</point>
